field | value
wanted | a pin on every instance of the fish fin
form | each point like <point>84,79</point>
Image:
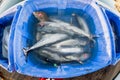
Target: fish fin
<point>95,36</point>
<point>91,38</point>
<point>71,21</point>
<point>80,62</point>
<point>93,42</point>
<point>25,51</point>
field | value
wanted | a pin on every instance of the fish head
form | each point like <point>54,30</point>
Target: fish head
<point>41,16</point>
<point>85,56</point>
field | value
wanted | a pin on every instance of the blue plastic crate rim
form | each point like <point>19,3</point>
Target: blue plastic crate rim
<point>112,16</point>
<point>114,27</point>
<point>99,24</point>
<point>11,39</point>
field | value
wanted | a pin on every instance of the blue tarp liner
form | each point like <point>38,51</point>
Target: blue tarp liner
<point>24,35</point>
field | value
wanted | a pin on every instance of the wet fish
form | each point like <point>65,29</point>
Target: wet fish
<point>51,56</point>
<point>73,46</point>
<point>54,25</point>
<point>79,58</point>
<point>82,23</point>
<point>38,36</point>
<point>41,17</point>
<point>65,50</point>
<point>59,58</point>
<point>5,41</point>
<point>46,40</point>
<point>65,54</point>
<point>62,27</point>
<point>73,42</point>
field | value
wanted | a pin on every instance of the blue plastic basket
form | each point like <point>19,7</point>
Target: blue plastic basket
<point>95,17</point>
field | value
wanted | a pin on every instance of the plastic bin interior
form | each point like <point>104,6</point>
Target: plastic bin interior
<point>25,29</point>
<point>114,21</point>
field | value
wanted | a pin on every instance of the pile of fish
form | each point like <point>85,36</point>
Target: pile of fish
<point>60,41</point>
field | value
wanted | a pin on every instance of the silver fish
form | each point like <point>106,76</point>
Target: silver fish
<point>38,36</point>
<point>57,57</point>
<point>51,55</point>
<point>72,42</point>
<point>82,23</point>
<point>65,50</point>
<point>46,40</point>
<point>74,28</point>
<point>62,27</point>
<point>81,57</point>
<point>5,41</point>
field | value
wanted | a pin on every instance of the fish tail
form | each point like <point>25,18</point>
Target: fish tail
<point>92,39</point>
<point>25,51</point>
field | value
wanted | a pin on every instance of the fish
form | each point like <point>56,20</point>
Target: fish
<point>42,17</point>
<point>82,23</point>
<point>73,28</point>
<point>62,41</point>
<point>80,58</point>
<point>62,27</point>
<point>59,58</point>
<point>5,41</point>
<point>47,39</point>
<point>38,36</point>
<point>65,50</point>
<point>65,54</point>
<point>73,42</point>
<point>55,25</point>
<point>51,56</point>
